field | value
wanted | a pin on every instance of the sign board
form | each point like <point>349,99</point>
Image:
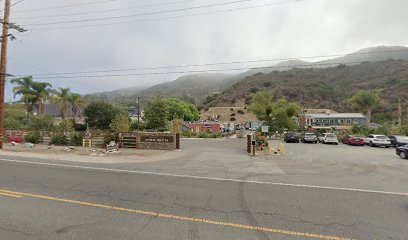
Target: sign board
<point>158,139</point>
<point>265,129</point>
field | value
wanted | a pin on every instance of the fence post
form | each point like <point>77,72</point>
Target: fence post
<point>178,141</point>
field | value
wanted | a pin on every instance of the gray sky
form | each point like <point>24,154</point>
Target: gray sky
<point>288,29</point>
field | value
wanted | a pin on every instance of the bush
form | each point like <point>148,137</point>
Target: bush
<point>59,140</point>
<point>203,135</point>
<point>267,84</point>
<point>241,112</point>
<point>44,122</point>
<point>76,139</point>
<point>66,126</point>
<point>33,137</point>
<point>134,126</point>
<point>254,90</point>
<point>231,109</point>
<point>110,137</point>
<point>232,114</point>
<point>232,119</point>
<point>80,127</point>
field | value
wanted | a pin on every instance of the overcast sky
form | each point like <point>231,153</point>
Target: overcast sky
<point>283,29</point>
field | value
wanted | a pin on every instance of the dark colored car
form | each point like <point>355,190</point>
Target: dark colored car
<point>291,137</point>
<point>353,140</point>
<point>309,138</point>
<point>402,152</point>
<point>397,141</point>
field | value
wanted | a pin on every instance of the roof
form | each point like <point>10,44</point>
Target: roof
<point>337,115</point>
<point>319,110</point>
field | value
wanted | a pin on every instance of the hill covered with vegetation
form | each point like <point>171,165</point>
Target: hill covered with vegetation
<point>326,87</point>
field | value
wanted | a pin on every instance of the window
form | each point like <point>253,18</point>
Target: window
<point>331,120</point>
<point>349,121</point>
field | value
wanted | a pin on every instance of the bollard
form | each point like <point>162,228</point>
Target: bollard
<point>83,142</point>
<point>275,149</point>
<point>282,148</point>
<point>90,143</point>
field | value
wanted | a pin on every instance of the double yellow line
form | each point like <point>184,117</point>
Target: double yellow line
<point>174,217</point>
<point>8,194</point>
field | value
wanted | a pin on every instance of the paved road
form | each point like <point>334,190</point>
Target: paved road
<point>62,202</point>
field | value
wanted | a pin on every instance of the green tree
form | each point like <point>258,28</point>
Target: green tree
<point>33,94</point>
<point>120,124</point>
<point>156,113</point>
<point>365,100</point>
<point>23,88</point>
<point>77,103</point>
<point>15,117</point>
<point>100,114</point>
<point>279,115</point>
<point>62,98</point>
<point>178,109</point>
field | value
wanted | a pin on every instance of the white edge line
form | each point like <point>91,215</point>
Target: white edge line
<point>209,178</point>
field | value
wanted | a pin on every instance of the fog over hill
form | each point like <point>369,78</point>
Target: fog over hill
<point>196,87</point>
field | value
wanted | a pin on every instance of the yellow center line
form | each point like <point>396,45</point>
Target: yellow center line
<point>10,195</point>
<point>168,216</point>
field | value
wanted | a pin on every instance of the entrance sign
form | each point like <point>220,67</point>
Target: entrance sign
<point>265,129</point>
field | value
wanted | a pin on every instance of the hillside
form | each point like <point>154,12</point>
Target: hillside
<point>325,88</point>
<point>195,88</point>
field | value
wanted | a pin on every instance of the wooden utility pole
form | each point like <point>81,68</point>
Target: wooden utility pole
<point>3,63</point>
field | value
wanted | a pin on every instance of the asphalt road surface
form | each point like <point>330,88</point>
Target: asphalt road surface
<point>67,200</point>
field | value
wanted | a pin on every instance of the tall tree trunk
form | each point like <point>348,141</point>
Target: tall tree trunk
<point>74,113</point>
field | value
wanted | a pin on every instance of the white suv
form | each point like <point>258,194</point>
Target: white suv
<point>328,138</point>
<point>378,140</point>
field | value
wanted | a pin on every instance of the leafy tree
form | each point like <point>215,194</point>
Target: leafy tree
<point>365,100</point>
<point>178,109</point>
<point>121,123</point>
<point>15,117</point>
<point>100,114</point>
<point>156,113</point>
<point>276,114</point>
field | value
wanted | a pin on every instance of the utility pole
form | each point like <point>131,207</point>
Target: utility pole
<point>399,113</point>
<point>3,71</point>
<point>138,112</point>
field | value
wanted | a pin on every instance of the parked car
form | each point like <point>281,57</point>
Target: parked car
<point>291,137</point>
<point>397,141</point>
<point>329,138</point>
<point>378,140</point>
<point>353,140</point>
<point>309,138</point>
<point>402,151</point>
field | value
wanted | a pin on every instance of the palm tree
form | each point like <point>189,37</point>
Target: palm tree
<point>62,98</point>
<point>366,100</point>
<point>25,88</point>
<point>76,104</point>
<point>41,92</point>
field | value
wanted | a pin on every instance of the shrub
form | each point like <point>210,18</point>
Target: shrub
<point>107,138</point>
<point>45,123</point>
<point>65,126</point>
<point>241,112</point>
<point>232,119</point>
<point>231,109</point>
<point>254,90</point>
<point>33,137</point>
<point>59,140</point>
<point>80,127</point>
<point>203,135</point>
<point>232,114</point>
<point>76,139</point>
<point>267,84</point>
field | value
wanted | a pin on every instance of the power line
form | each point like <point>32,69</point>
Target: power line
<point>108,10</point>
<point>13,4</point>
<point>165,18</point>
<point>203,71</point>
<point>144,14</point>
<point>65,6</point>
<point>221,63</point>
